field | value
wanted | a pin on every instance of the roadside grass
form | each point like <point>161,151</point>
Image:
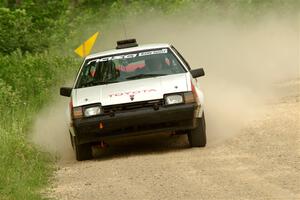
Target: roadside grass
<point>27,82</point>
<point>24,170</point>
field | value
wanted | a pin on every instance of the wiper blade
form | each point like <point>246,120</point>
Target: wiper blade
<point>105,82</point>
<point>144,76</point>
<point>95,82</point>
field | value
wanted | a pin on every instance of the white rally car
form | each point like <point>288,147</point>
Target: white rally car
<point>134,90</point>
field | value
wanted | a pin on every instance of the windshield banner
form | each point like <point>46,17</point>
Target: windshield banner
<point>133,55</point>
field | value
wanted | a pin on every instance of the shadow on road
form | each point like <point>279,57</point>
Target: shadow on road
<point>150,144</point>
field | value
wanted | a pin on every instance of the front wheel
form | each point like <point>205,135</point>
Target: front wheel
<point>82,151</point>
<point>197,136</point>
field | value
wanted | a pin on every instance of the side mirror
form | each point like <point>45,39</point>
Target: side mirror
<point>65,91</point>
<point>197,72</point>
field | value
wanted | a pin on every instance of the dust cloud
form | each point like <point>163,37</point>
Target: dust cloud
<point>242,62</point>
<point>50,131</point>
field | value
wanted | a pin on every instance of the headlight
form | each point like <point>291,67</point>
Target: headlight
<point>91,111</point>
<point>173,99</point>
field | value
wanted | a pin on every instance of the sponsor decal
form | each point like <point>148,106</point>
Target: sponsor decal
<point>131,94</point>
<point>133,55</point>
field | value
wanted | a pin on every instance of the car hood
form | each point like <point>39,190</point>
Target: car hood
<point>131,91</point>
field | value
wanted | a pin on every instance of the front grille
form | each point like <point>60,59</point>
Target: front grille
<point>147,127</point>
<point>133,106</point>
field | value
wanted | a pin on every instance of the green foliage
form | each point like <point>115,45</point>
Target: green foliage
<point>26,84</point>
<point>15,27</point>
<point>8,96</point>
<point>33,76</point>
<point>30,26</point>
<point>23,168</point>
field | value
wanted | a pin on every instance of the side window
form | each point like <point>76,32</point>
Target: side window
<point>181,57</point>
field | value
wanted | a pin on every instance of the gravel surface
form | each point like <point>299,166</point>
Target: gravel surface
<point>262,161</point>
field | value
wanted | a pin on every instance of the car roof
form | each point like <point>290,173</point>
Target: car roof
<point>126,50</point>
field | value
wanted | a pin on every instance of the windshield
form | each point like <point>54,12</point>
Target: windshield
<point>129,66</point>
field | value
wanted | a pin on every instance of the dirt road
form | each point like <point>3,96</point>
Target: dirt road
<point>262,161</point>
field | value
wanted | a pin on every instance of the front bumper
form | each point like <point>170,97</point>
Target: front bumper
<point>135,122</point>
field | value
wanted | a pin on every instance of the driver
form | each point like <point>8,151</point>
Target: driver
<point>153,64</point>
<point>92,71</point>
<point>157,65</point>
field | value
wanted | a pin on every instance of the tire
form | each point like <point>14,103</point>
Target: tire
<point>82,151</point>
<point>71,140</point>
<point>197,136</point>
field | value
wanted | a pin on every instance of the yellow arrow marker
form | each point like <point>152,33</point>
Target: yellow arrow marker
<point>85,49</point>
